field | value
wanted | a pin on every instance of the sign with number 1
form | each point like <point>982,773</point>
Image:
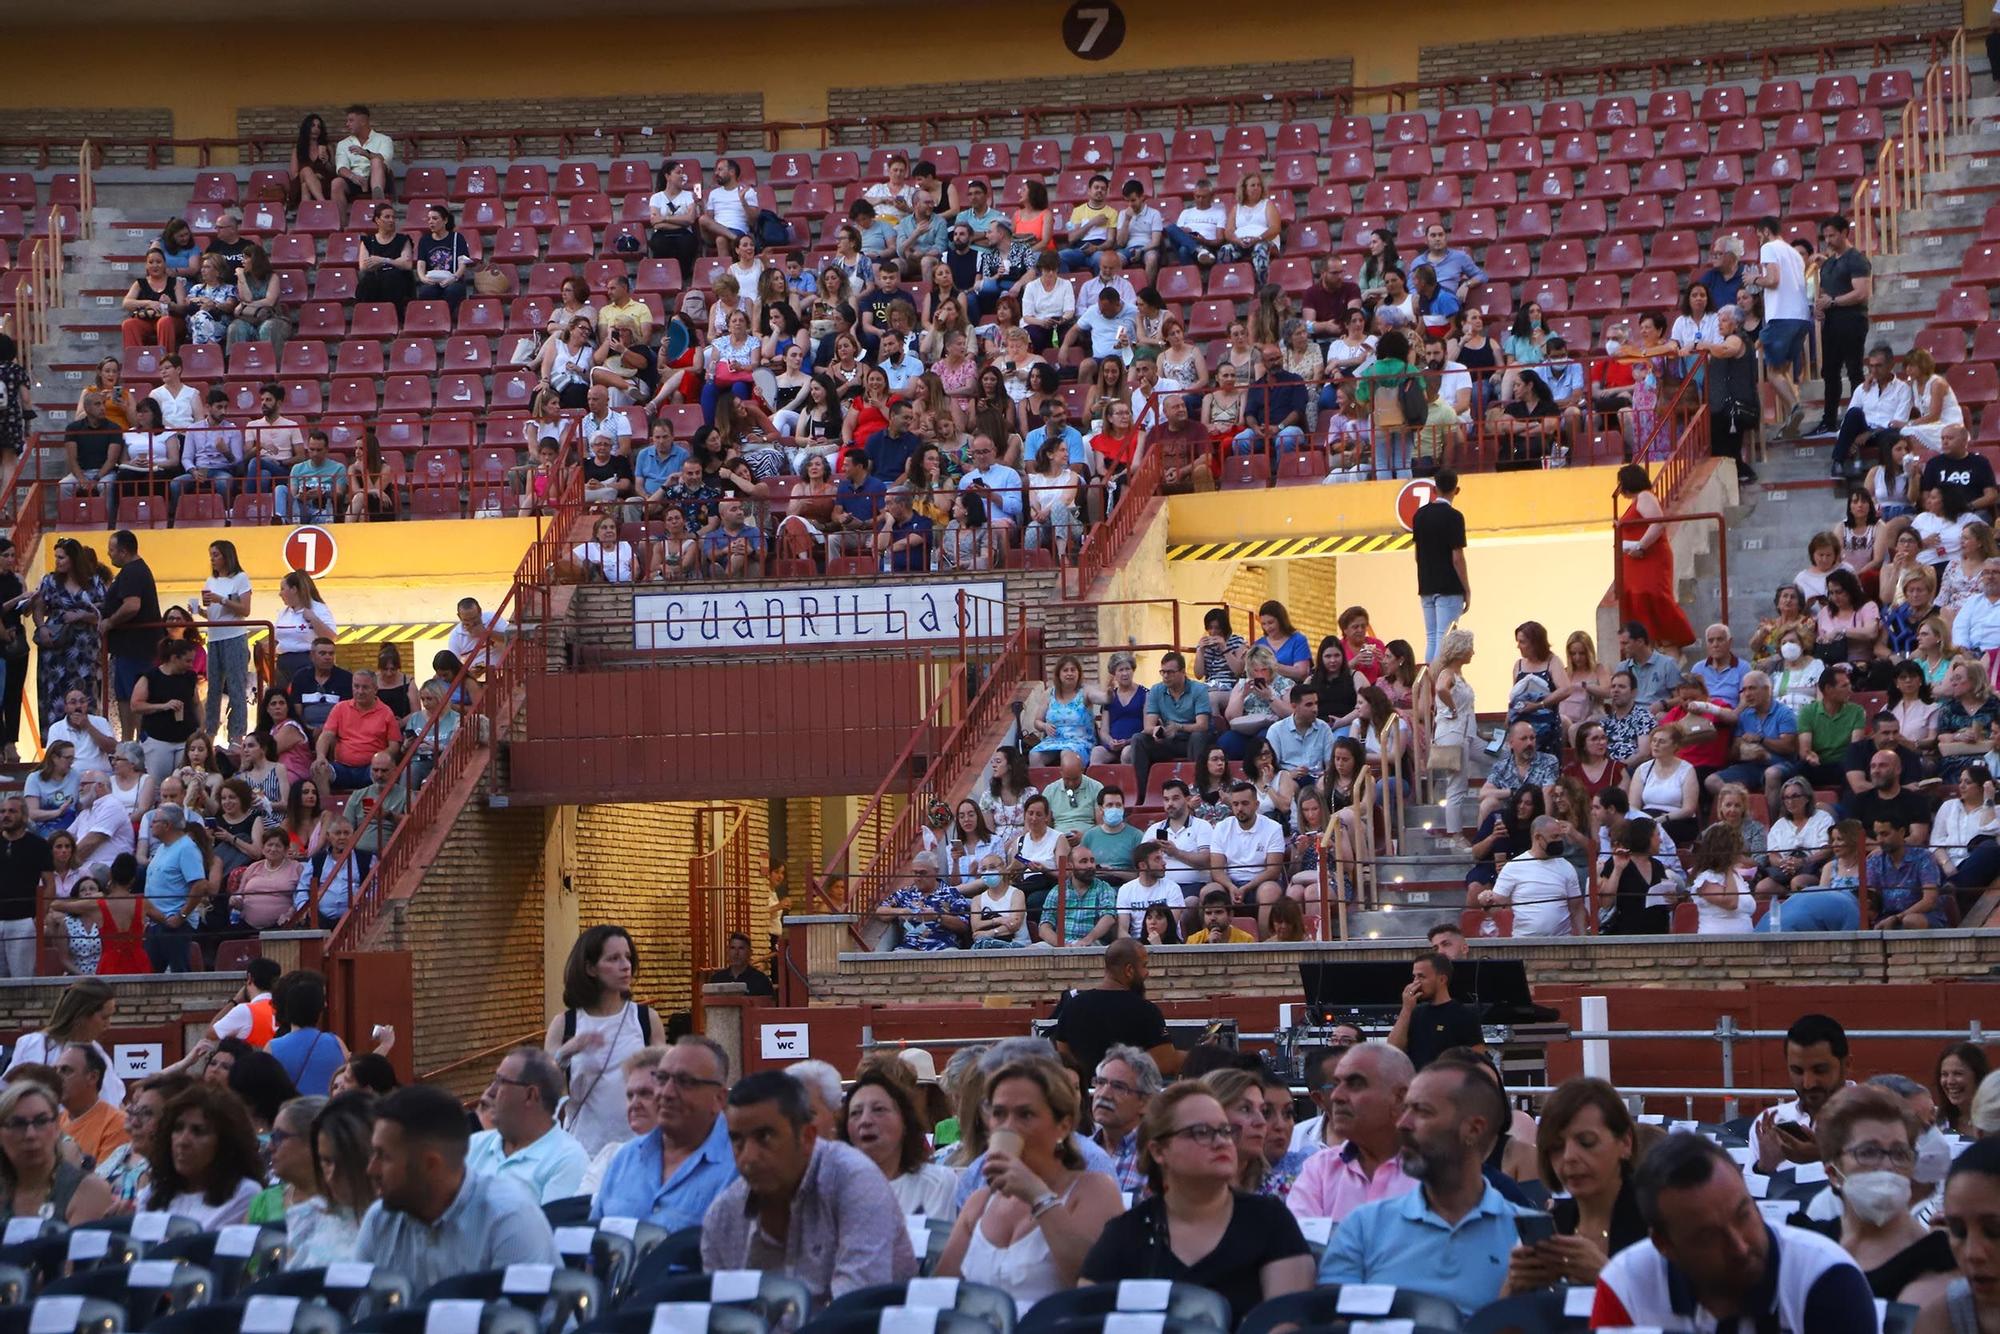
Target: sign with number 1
<point>310,550</point>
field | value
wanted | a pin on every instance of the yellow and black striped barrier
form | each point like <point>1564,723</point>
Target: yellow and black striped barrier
<point>1282,547</point>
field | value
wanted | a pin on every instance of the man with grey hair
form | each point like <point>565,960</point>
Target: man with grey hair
<point>1127,1080</point>
<point>525,1145</point>
<point>1763,734</point>
<point>1365,1163</point>
<point>1724,280</point>
<point>931,915</point>
<point>103,828</point>
<point>228,243</point>
<point>356,728</point>
<point>822,1084</point>
<point>1720,670</point>
<point>176,884</point>
<point>669,1176</point>
<point>1541,887</point>
<point>1878,409</point>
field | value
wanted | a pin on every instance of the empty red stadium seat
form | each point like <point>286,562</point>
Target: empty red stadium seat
<point>1507,263</point>
<point>1654,291</point>
<point>1495,189</point>
<point>1407,127</point>
<point>335,284</point>
<point>1526,222</point>
<point>1605,181</point>
<point>1986,342</point>
<point>1515,121</point>
<point>1518,155</point>
<point>1946,346</point>
<point>1668,107</point>
<point>1210,319</point>
<point>201,361</point>
<point>256,358</point>
<point>1582,217</point>
<point>1551,185</point>
<point>1887,89</point>
<point>407,356</point>
<point>1352,131</point>
<point>1975,382</point>
<point>1676,248</point>
<point>1564,259</point>
<point>355,394</point>
<point>1963,306</point>
<point>1597,294</point>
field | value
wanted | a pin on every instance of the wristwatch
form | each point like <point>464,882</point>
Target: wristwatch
<point>1048,1201</point>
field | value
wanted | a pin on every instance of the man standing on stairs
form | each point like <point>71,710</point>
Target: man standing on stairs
<point>1846,282</point>
<point>1781,275</point>
<point>1876,414</point>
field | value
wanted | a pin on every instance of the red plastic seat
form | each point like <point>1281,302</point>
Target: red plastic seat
<point>317,217</point>
<point>1515,121</point>
<point>335,284</point>
<point>1551,294</point>
<point>303,356</point>
<point>1526,222</point>
<point>524,179</point>
<point>482,315</point>
<point>304,396</point>
<point>571,243</point>
<point>373,319</point>
<point>1719,171</point>
<point>1564,259</point>
<point>461,392</point>
<point>1597,294</point>
<point>1245,470</point>
<point>142,511</point>
<point>1697,208</point>
<point>1656,291</point>
<point>1667,107</point>
<point>343,248</point>
<point>1518,155</point>
<point>1756,201</point>
<point>1606,181</point>
<point>1835,92</point>
<point>1409,162</point>
<point>1495,189</point>
<point>991,159</point>
<point>1386,197</point>
<point>1963,307</point>
<point>1975,382</point>
<point>1862,125</point>
<point>1044,156</point>
<point>1407,127</point>
<point>467,353</point>
<point>1459,123</point>
<point>1351,165</point>
<point>1981,264</point>
<point>1438,193</point>
<point>1298,136</point>
<point>1495,299</point>
<point>1466,157</point>
<point>201,361</point>
<point>1837,163</point>
<point>352,394</point>
<point>1781,165</point>
<point>1551,185</point>
<point>1474,226</point>
<point>1887,89</point>
<point>1779,97</point>
<point>255,358</point>
<point>1986,343</point>
<point>1210,319</point>
<point>1945,346</point>
<point>1355,131</point>
<point>1629,147</point>
<point>1582,217</point>
<point>1725,103</point>
<point>408,356</point>
<point>1507,263</point>
<point>1295,171</point>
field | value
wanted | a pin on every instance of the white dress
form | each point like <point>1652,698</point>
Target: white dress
<point>1025,1269</point>
<point>595,1110</point>
<point>928,1191</point>
<point>1931,434</point>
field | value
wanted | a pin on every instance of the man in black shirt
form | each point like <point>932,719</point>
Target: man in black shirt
<point>87,443</point>
<point>318,686</point>
<point>26,870</point>
<point>1115,1012</point>
<point>607,477</point>
<point>130,625</point>
<point>1443,586</point>
<point>13,651</point>
<point>753,980</point>
<point>228,243</point>
<point>1885,798</point>
<point>1963,476</point>
<point>1845,283</point>
<point>1431,1021</point>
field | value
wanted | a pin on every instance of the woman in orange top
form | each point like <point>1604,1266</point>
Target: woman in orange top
<point>1033,220</point>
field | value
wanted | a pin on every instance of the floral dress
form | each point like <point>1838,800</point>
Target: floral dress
<point>1070,720</point>
<point>208,326</point>
<point>1005,816</point>
<point>1645,411</point>
<point>71,654</point>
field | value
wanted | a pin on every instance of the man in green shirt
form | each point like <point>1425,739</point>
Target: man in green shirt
<point>1113,842</point>
<point>1073,798</point>
<point>1827,727</point>
<point>317,484</point>
<point>1089,906</point>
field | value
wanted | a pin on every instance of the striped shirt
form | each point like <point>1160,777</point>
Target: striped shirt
<point>1809,1286</point>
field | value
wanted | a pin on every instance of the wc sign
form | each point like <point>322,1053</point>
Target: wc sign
<point>785,1042</point>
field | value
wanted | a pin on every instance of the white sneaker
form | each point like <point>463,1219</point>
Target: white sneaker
<point>1204,254</point>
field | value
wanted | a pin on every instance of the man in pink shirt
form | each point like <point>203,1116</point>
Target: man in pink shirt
<point>355,730</point>
<point>1369,1084</point>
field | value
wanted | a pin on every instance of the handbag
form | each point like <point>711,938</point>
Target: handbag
<point>1447,759</point>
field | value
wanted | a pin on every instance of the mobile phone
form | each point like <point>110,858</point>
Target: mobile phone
<point>1535,1228</point>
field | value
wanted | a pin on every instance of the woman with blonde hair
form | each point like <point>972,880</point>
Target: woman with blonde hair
<point>1028,1227</point>
<point>1064,719</point>
<point>1968,720</point>
<point>1254,225</point>
<point>1976,546</point>
<point>1262,697</point>
<point>1589,681</point>
<point>1936,403</point>
<point>1244,1102</point>
<point>1444,698</point>
<point>36,1180</point>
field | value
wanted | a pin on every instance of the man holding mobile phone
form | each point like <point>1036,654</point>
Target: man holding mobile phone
<point>1816,1062</point>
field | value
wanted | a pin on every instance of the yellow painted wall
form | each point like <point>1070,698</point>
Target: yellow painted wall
<point>1556,498</point>
<point>726,50</point>
<point>383,573</point>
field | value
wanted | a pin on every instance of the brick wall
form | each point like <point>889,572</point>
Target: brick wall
<point>142,1001</point>
<point>397,118</point>
<point>1473,59</point>
<point>1195,972</point>
<point>1193,84</point>
<point>113,125</point>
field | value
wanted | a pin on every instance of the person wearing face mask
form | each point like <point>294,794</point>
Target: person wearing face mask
<point>999,912</point>
<point>1868,1137</point>
<point>1541,888</point>
<point>1113,842</point>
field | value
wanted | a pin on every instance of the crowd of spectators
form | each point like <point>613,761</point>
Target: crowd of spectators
<point>189,796</point>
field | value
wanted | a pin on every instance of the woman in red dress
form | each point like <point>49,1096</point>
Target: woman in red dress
<point>1646,561</point>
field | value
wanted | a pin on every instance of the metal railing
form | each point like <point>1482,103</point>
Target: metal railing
<point>1940,110</point>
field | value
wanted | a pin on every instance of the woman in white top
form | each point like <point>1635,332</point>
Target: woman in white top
<point>302,618</point>
<point>572,305</point>
<point>180,404</point>
<point>1962,818</point>
<point>1664,786</point>
<point>1047,300</point>
<point>1253,226</point>
<point>1052,495</point>
<point>1962,576</point>
<point>605,556</point>
<point>1941,525</point>
<point>599,1027</point>
<point>131,785</point>
<point>1715,882</point>
<point>739,351</point>
<point>1028,1228</point>
<point>1353,348</point>
<point>1796,841</point>
<point>1695,324</point>
<point>1822,559</point>
<point>1796,680</point>
<point>970,840</point>
<point>1937,405</point>
<point>1889,487</point>
<point>999,912</point>
<point>1445,697</point>
<point>211,1169</point>
<point>321,1228</point>
<point>1916,714</point>
<point>880,1118</point>
<point>567,361</point>
<point>82,1014</point>
<point>148,447</point>
<point>747,269</point>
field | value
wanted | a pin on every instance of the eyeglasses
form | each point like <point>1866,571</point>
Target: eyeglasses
<point>1204,1135</point>
<point>21,1125</point>
<point>1872,1156</point>
<point>512,1083</point>
<point>1115,1085</point>
<point>283,1136</point>
<point>687,1083</point>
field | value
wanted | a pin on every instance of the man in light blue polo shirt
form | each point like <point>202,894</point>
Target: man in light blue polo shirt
<point>1654,674</point>
<point>979,215</point>
<point>670,1176</point>
<point>525,1145</point>
<point>176,884</point>
<point>1451,1236</point>
<point>1721,671</point>
<point>1302,743</point>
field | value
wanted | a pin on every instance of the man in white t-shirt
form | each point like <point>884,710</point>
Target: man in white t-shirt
<point>362,161</point>
<point>675,216</point>
<point>471,628</point>
<point>1184,839</point>
<point>1150,889</point>
<point>1781,274</point>
<point>1247,855</point>
<point>92,736</point>
<point>1200,227</point>
<point>1541,887</point>
<point>731,208</point>
<point>251,1018</point>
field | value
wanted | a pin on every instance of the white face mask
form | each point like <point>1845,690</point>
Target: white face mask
<point>1790,652</point>
<point>1876,1197</point>
<point>1933,1157</point>
<point>1611,345</point>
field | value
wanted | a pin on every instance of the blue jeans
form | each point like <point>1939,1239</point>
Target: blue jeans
<point>1440,611</point>
<point>1184,244</point>
<point>1072,259</point>
<point>167,946</point>
<point>222,479</point>
<point>1392,453</point>
<point>1289,438</point>
<point>229,675</point>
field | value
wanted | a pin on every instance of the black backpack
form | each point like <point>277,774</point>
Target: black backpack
<point>1410,397</point>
